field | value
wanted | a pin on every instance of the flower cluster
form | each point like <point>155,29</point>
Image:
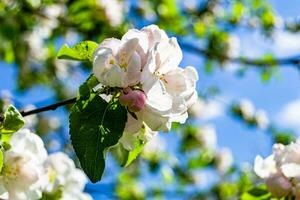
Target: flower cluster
<point>29,173</point>
<point>281,170</point>
<point>246,111</point>
<point>144,64</point>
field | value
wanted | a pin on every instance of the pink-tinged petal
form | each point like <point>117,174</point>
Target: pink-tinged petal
<point>102,60</point>
<point>168,55</point>
<point>134,70</point>
<point>126,51</point>
<point>175,81</point>
<point>143,45</point>
<point>279,185</point>
<point>155,35</point>
<point>111,43</point>
<point>149,69</point>
<point>192,73</point>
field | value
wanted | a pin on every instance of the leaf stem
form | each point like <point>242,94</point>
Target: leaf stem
<point>49,107</point>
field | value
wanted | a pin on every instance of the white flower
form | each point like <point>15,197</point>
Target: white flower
<point>224,160</point>
<point>233,46</point>
<point>116,63</point>
<point>262,119</point>
<point>148,59</point>
<point>247,109</point>
<point>134,130</point>
<point>206,110</point>
<point>23,170</point>
<point>114,11</point>
<point>281,170</point>
<point>206,135</point>
<point>170,90</point>
<point>64,176</point>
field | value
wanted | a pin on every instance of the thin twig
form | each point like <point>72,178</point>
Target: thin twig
<point>293,60</point>
<point>49,107</point>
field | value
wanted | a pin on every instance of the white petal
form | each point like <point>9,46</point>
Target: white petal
<point>291,170</point>
<point>132,125</point>
<point>128,140</point>
<point>264,168</point>
<point>168,55</point>
<point>101,62</point>
<point>27,142</point>
<point>155,121</point>
<point>157,97</point>
<point>155,35</point>
<point>143,44</point>
<point>114,77</point>
<point>111,43</point>
<point>127,50</point>
<point>134,70</point>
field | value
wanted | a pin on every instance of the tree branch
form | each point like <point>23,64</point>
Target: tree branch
<point>260,62</point>
<point>49,107</point>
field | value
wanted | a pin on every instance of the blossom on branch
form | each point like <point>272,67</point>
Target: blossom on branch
<point>281,170</point>
<point>145,65</point>
<point>22,173</point>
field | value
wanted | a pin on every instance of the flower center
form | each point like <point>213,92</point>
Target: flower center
<point>123,62</point>
<point>10,173</point>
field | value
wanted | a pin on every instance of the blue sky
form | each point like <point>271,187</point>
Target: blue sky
<point>272,96</point>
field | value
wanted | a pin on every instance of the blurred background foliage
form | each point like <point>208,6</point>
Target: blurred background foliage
<point>31,32</point>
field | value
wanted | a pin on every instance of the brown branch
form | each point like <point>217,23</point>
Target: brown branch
<point>259,62</point>
<point>49,107</point>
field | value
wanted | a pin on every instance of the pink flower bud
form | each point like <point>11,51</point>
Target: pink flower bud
<point>134,99</point>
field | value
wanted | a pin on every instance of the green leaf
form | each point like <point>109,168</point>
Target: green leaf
<point>125,157</point>
<point>1,160</point>
<point>95,125</point>
<point>13,121</point>
<point>82,51</point>
<point>257,193</point>
<point>132,155</point>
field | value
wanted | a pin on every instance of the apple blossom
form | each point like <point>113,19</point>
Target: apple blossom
<point>148,60</point>
<point>170,90</point>
<point>281,170</point>
<point>64,176</point>
<point>116,63</point>
<point>224,160</point>
<point>206,135</point>
<point>114,11</point>
<point>134,130</point>
<point>22,173</point>
<point>261,119</point>
<point>247,109</point>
